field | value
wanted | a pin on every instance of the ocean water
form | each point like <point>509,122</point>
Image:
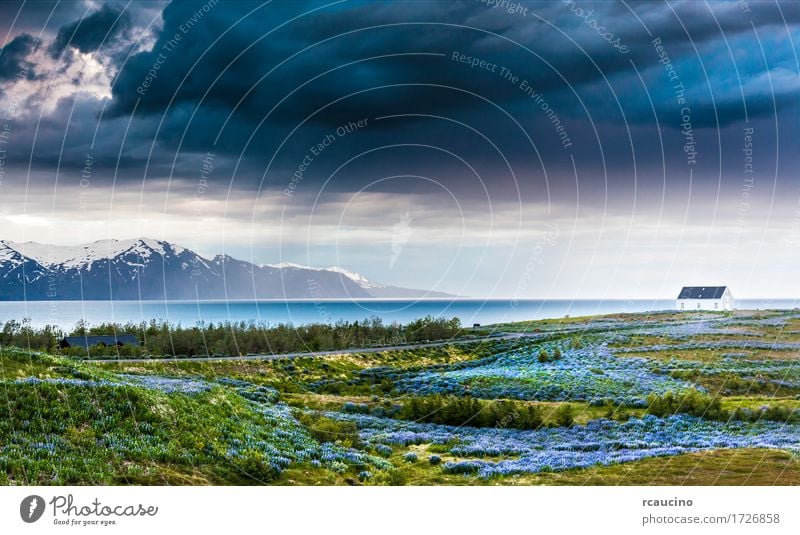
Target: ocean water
<point>66,314</point>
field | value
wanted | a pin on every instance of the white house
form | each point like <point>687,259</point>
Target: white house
<point>705,298</point>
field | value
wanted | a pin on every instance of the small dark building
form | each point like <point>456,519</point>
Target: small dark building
<point>99,340</point>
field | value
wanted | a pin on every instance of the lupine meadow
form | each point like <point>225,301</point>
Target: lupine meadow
<point>661,398</point>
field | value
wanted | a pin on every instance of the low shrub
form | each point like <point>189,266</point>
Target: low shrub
<point>775,413</point>
<point>355,408</point>
<point>462,467</point>
<point>391,477</point>
<point>458,410</point>
<point>326,429</point>
<point>692,402</point>
<point>444,448</point>
<point>565,415</point>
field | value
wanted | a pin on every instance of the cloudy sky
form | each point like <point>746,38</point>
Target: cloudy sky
<point>526,149</point>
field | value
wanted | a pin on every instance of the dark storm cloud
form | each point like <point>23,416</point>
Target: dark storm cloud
<point>91,32</point>
<point>14,58</point>
<point>729,56</point>
<point>215,86</point>
<point>363,45</point>
<point>217,44</point>
<point>42,16</point>
<point>703,20</point>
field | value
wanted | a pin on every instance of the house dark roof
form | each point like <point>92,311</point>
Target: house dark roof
<point>701,292</point>
<point>92,340</point>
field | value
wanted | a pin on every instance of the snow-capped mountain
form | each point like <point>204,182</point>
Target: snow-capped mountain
<point>83,256</point>
<point>358,278</point>
<point>152,269</point>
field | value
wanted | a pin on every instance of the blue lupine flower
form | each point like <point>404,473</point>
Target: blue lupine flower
<point>601,442</point>
<point>383,450</point>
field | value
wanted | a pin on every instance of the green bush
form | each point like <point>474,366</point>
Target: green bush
<point>326,429</point>
<point>565,415</point>
<point>457,410</point>
<point>617,412</point>
<point>392,477</point>
<point>692,402</point>
<point>254,464</point>
<point>444,448</point>
<point>776,413</point>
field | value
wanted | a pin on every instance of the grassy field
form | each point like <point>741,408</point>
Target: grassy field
<point>628,399</point>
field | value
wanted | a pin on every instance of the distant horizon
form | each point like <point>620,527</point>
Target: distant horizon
<point>284,263</point>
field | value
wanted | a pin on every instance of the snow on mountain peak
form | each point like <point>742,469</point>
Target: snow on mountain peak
<point>8,253</point>
<point>288,265</point>
<point>358,278</point>
<point>83,256</point>
<point>79,256</point>
<point>145,268</point>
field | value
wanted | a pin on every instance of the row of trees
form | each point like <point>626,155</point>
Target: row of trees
<point>21,334</point>
<point>161,338</point>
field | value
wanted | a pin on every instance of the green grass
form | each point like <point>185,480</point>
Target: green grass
<point>163,439</point>
<point>712,355</point>
<point>754,402</point>
<point>17,363</point>
<point>718,467</point>
<point>730,384</point>
<point>59,434</point>
<point>549,410</point>
<point>301,374</point>
<point>606,320</point>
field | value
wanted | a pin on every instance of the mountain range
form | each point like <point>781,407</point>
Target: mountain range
<point>147,269</point>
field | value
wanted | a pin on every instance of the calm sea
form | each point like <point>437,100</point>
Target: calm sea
<point>66,314</point>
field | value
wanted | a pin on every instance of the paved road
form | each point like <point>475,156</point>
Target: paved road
<point>503,336</point>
